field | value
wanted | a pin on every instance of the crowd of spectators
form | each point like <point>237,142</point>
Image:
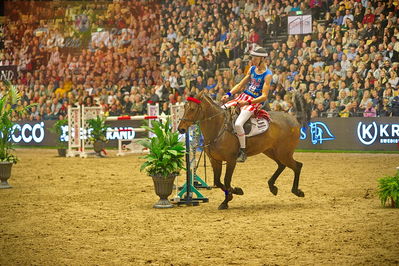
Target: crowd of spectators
<point>348,66</point>
<point>125,54</point>
<point>92,53</point>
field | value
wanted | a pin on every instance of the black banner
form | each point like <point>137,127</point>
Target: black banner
<point>38,133</point>
<point>359,134</point>
<point>356,133</point>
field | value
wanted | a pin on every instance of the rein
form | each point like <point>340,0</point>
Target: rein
<point>221,131</point>
<point>191,99</point>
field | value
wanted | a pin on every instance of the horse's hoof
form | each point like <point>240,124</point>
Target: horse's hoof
<point>273,190</point>
<point>223,206</point>
<point>299,193</point>
<point>238,191</point>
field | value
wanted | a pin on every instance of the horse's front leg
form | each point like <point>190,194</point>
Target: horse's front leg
<point>217,172</point>
<point>229,191</point>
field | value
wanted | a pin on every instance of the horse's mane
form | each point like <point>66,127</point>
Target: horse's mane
<point>302,108</point>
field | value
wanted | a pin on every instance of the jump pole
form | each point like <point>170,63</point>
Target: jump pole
<point>136,117</point>
<point>188,189</point>
<point>198,182</point>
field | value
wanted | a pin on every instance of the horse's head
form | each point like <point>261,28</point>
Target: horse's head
<point>192,113</point>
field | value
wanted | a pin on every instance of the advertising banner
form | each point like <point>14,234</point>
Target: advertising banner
<point>38,133</point>
<point>358,134</point>
<point>300,24</point>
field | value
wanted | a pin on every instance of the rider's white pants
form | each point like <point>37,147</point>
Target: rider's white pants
<point>239,126</point>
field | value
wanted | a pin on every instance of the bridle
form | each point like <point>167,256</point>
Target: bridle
<point>191,99</point>
<point>196,113</point>
<point>197,121</point>
<point>221,131</point>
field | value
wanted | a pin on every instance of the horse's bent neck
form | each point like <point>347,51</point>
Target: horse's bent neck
<point>212,121</point>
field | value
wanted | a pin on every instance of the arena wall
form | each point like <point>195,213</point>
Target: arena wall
<point>358,134</point>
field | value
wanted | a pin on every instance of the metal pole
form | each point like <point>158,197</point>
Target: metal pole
<point>206,179</point>
<point>188,167</point>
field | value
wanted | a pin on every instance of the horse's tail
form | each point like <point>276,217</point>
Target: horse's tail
<point>303,109</point>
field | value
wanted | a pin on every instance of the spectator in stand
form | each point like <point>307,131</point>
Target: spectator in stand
<point>368,17</point>
<point>365,99</point>
<point>348,15</point>
<point>319,111</point>
<point>395,106</point>
<point>137,107</point>
<point>316,6</point>
<point>332,111</point>
<point>385,109</point>
<point>391,54</point>
<point>165,110</point>
<point>338,19</point>
<point>354,110</point>
<point>370,110</point>
<point>253,40</point>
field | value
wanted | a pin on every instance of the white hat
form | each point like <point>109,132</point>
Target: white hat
<point>259,51</point>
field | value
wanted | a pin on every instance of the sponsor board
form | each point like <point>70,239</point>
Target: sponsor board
<point>369,133</point>
<point>379,133</point>
<point>38,133</point>
<point>323,134</point>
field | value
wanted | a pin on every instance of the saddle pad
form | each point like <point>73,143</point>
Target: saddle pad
<point>255,126</point>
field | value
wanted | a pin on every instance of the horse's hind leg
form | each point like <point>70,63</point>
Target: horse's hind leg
<point>296,167</point>
<point>295,188</point>
<point>273,189</point>
<point>272,180</point>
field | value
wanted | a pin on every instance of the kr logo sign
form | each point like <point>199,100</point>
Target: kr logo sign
<point>386,133</point>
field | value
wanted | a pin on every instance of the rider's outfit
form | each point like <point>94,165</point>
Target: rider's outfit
<point>253,91</point>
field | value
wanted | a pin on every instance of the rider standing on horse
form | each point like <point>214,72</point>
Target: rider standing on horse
<point>256,85</point>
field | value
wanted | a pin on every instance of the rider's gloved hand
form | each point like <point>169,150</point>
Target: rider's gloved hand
<point>225,98</point>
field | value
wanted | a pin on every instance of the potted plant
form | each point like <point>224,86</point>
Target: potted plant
<point>389,190</point>
<point>57,129</point>
<point>164,160</point>
<point>98,134</point>
<point>8,105</point>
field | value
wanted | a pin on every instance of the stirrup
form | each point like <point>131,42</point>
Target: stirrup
<point>242,156</point>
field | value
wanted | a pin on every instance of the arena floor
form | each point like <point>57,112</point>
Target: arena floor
<point>98,211</point>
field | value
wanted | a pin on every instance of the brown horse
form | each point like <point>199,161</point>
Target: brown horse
<point>221,144</point>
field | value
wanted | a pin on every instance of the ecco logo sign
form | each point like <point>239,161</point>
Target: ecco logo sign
<point>368,133</point>
<point>28,133</point>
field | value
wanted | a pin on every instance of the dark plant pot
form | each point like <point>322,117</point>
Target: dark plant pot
<point>163,188</point>
<point>98,146</point>
<point>5,173</point>
<point>62,152</point>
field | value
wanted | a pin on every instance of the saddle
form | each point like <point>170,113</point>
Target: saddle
<point>257,124</point>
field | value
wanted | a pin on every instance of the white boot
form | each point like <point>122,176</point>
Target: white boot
<point>241,119</point>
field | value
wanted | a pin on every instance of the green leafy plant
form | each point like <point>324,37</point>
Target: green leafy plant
<point>57,129</point>
<point>166,152</point>
<point>389,190</point>
<point>99,129</point>
<point>9,105</point>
